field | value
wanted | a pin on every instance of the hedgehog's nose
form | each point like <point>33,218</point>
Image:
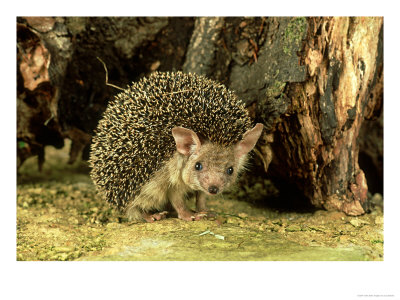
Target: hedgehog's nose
<point>213,189</point>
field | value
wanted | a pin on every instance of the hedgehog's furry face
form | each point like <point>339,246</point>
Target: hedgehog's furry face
<point>209,167</point>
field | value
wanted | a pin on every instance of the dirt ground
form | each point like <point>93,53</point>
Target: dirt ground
<point>60,217</point>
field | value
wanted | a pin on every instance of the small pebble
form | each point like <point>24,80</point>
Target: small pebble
<point>377,199</point>
<point>63,249</point>
<point>379,220</point>
<point>292,228</point>
<point>355,222</point>
<point>358,222</point>
<point>113,225</point>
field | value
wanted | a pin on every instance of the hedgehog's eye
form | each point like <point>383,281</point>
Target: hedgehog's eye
<point>229,171</point>
<point>198,166</point>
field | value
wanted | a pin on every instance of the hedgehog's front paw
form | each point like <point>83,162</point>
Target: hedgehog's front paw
<point>192,216</point>
<point>186,215</point>
<point>204,215</point>
<point>150,218</point>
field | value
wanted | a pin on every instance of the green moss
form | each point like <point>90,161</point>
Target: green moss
<point>21,144</point>
<point>294,34</point>
<point>377,242</point>
<point>275,89</point>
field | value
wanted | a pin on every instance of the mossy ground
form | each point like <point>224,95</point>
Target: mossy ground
<point>60,217</point>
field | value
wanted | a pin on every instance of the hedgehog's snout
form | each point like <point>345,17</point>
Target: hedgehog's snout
<point>213,189</point>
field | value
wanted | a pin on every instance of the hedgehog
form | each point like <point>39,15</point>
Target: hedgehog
<point>166,137</point>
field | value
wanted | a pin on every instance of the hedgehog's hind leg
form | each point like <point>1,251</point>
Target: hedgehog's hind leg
<point>134,213</point>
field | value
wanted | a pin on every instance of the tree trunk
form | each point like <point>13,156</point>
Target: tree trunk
<point>318,139</point>
<point>314,81</point>
<point>311,81</point>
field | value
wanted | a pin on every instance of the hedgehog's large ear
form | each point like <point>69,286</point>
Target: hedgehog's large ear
<point>248,141</point>
<point>187,141</point>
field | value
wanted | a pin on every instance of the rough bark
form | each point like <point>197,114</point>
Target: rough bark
<point>37,122</point>
<point>203,45</point>
<point>314,81</point>
<point>311,81</point>
<point>328,109</point>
